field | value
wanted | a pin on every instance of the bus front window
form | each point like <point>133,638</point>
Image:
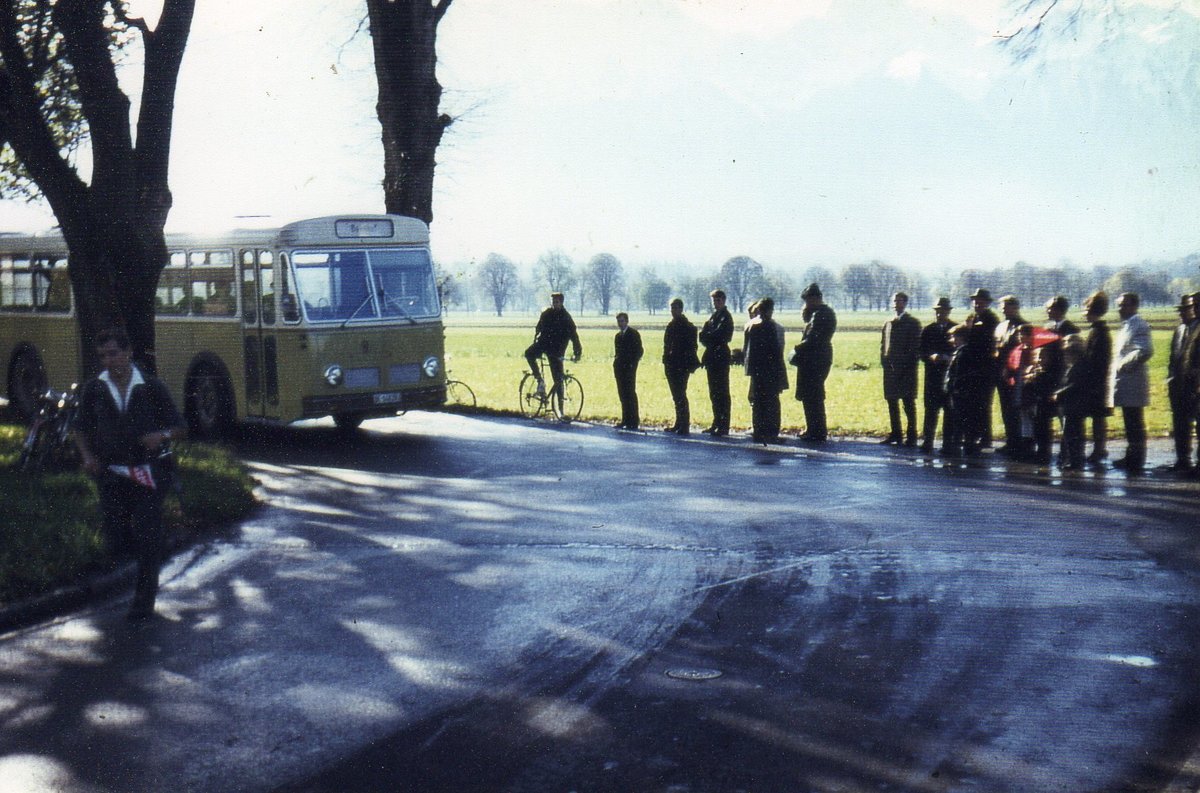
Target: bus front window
<point>332,285</point>
<point>404,283</point>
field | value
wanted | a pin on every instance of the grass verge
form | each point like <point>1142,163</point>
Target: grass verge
<point>50,523</point>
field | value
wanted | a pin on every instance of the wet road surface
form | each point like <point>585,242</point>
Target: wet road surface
<point>445,603</point>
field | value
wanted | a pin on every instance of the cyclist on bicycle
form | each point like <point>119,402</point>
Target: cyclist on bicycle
<point>555,328</point>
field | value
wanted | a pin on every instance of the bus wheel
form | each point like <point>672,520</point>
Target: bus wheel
<point>26,383</point>
<point>348,422</point>
<point>208,403</point>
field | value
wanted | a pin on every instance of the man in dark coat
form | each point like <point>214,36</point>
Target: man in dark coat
<point>627,352</point>
<point>1007,339</point>
<point>555,329</point>
<point>715,336</point>
<point>899,355</point>
<point>935,349</point>
<point>981,341</point>
<point>813,358</point>
<point>1056,317</point>
<point>679,361</point>
<point>1084,393</point>
<point>1183,418</point>
<point>764,364</point>
<point>124,422</point>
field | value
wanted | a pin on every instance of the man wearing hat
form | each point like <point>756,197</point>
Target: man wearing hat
<point>981,354</point>
<point>768,375</point>
<point>899,356</point>
<point>679,361</point>
<point>1129,380</point>
<point>715,336</point>
<point>555,329</point>
<point>813,358</point>
<point>1183,418</point>
<point>935,349</point>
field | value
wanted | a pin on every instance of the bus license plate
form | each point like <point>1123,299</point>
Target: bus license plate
<point>388,399</point>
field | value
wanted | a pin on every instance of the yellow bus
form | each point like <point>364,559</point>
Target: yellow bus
<point>333,316</point>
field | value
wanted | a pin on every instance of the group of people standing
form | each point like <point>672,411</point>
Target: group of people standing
<point>1045,374</point>
<point>761,355</point>
<point>1041,374</point>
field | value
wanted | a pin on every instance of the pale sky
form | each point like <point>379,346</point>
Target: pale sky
<point>672,132</point>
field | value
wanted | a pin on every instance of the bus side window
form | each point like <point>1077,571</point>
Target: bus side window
<point>210,279</point>
<point>287,298</point>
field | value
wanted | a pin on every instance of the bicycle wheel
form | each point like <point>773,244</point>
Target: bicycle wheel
<point>532,403</point>
<point>36,448</point>
<point>570,405</point>
<point>459,393</point>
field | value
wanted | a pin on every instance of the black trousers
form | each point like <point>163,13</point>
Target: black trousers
<point>534,352</point>
<point>1184,421</point>
<point>1135,435</point>
<point>765,412</point>
<point>1010,412</point>
<point>627,392</point>
<point>132,526</point>
<point>910,413</point>
<point>677,380</point>
<point>718,394</point>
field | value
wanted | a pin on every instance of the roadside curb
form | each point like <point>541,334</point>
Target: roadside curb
<point>27,612</point>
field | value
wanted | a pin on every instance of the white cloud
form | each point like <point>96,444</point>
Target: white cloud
<point>908,66</point>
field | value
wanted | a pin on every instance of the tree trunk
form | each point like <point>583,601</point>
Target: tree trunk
<point>404,36</point>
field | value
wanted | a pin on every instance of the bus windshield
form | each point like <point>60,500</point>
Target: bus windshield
<point>354,285</point>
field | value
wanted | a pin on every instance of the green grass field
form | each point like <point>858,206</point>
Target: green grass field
<point>487,353</point>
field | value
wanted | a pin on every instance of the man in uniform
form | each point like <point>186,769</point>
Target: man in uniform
<point>124,423</point>
<point>555,329</point>
<point>813,358</point>
<point>764,364</point>
<point>627,352</point>
<point>935,349</point>
<point>981,354</point>
<point>899,351</point>
<point>679,361</point>
<point>715,336</point>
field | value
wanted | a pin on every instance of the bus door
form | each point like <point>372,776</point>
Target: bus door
<point>258,333</point>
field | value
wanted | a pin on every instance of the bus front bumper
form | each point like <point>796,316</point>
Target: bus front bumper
<point>386,403</point>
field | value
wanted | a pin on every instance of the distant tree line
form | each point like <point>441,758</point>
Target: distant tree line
<point>601,284</point>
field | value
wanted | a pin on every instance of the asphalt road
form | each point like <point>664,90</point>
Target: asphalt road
<point>445,603</point>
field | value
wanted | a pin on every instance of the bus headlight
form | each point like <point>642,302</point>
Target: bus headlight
<point>334,375</point>
<point>432,366</point>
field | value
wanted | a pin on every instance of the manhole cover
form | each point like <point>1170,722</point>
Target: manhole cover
<point>694,674</point>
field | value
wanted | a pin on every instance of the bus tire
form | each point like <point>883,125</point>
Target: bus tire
<point>26,383</point>
<point>208,402</point>
<point>348,422</point>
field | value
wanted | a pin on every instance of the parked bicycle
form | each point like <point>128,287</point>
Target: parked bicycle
<point>48,445</point>
<point>460,394</point>
<point>564,400</point>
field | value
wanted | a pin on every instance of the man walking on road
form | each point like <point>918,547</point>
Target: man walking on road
<point>125,421</point>
<point>715,336</point>
<point>1129,382</point>
<point>679,361</point>
<point>935,349</point>
<point>627,352</point>
<point>899,355</point>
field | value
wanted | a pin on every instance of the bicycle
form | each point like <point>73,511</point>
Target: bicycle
<point>47,445</point>
<point>460,394</point>
<point>565,399</point>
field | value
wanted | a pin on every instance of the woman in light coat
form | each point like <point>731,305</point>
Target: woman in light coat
<point>1129,382</point>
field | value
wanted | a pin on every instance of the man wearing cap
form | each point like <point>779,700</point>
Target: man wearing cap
<point>1129,382</point>
<point>715,336</point>
<point>679,361</point>
<point>1183,419</point>
<point>935,349</point>
<point>555,329</point>
<point>1189,367</point>
<point>899,351</point>
<point>813,358</point>
<point>1007,340</point>
<point>768,375</point>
